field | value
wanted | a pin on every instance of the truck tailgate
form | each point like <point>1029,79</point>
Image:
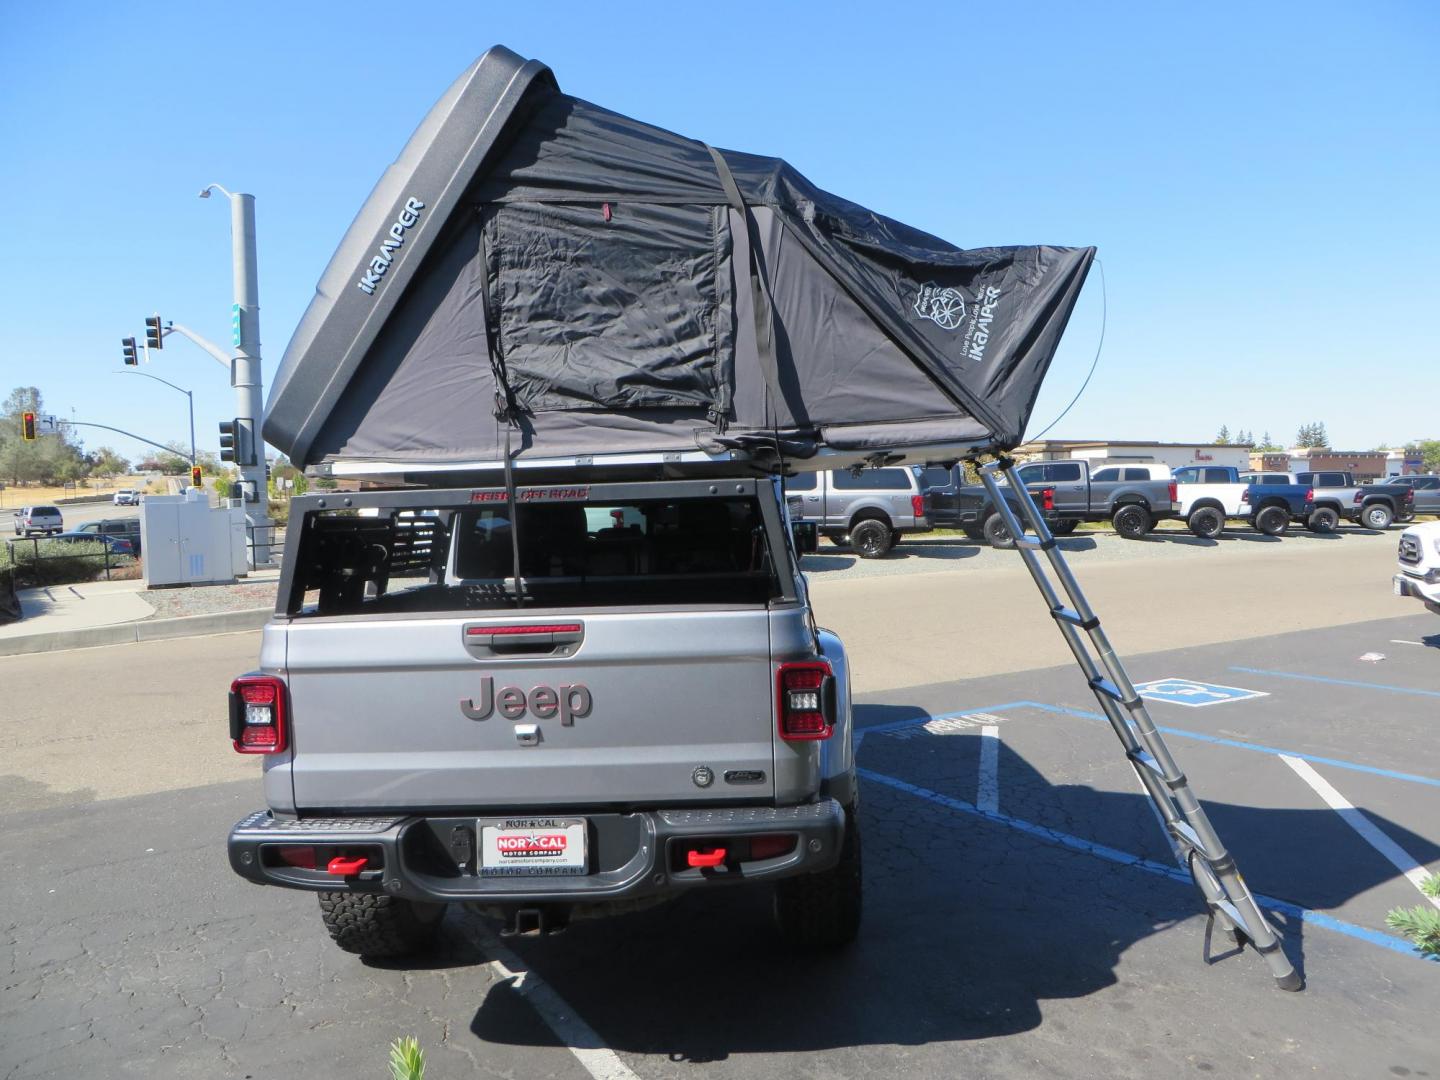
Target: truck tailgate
<point>438,712</point>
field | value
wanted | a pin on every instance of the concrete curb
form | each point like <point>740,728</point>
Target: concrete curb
<point>224,622</point>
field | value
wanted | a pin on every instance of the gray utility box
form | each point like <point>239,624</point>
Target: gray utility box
<point>188,542</point>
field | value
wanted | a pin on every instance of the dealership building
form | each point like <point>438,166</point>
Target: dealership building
<point>1118,452</point>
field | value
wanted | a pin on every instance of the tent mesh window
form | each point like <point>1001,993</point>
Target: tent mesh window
<point>604,306</point>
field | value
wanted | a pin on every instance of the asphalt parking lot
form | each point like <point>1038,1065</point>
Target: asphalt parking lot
<point>1025,915</point>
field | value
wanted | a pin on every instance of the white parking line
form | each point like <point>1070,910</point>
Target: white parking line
<point>1399,641</point>
<point>987,797</point>
<point>1361,824</point>
<point>579,1038</point>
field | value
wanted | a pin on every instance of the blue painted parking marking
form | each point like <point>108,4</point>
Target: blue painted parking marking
<point>1192,694</point>
<point>1339,682</point>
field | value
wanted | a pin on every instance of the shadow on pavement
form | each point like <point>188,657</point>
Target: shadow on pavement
<point>971,923</point>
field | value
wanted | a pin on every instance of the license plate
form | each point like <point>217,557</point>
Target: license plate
<point>524,847</point>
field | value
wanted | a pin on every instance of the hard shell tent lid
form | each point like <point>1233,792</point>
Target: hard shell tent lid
<point>633,293</point>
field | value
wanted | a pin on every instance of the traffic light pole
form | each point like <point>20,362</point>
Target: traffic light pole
<point>128,434</point>
<point>245,375</point>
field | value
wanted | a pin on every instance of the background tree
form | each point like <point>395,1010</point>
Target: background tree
<point>1223,438</point>
<point>50,459</point>
<point>1428,451</point>
<point>1312,436</point>
<point>106,462</point>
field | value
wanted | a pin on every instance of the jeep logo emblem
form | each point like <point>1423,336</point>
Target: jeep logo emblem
<point>542,702</point>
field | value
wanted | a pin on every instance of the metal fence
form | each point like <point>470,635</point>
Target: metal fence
<point>45,558</point>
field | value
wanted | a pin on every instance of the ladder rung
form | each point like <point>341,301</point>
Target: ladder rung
<point>1110,690</point>
<point>1190,838</point>
<point>1070,615</point>
<point>1146,761</point>
<point>1233,914</point>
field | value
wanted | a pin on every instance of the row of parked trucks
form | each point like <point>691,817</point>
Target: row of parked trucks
<point>872,508</point>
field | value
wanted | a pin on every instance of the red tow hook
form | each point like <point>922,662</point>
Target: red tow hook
<point>340,866</point>
<point>705,859</point>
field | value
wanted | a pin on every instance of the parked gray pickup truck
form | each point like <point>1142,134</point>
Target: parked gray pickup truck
<point>1132,498</point>
<point>616,697</point>
<point>870,509</point>
<point>1374,506</point>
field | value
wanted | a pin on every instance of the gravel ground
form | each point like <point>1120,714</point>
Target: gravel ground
<point>932,552</point>
<point>209,599</point>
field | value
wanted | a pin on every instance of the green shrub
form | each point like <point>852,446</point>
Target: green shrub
<point>1420,924</point>
<point>50,562</point>
<point>407,1060</point>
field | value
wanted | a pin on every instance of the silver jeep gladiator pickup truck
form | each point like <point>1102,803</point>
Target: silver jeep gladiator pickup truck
<point>618,696</point>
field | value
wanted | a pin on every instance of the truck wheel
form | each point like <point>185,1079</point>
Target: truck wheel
<point>1377,516</point>
<point>1063,528</point>
<point>1206,522</point>
<point>373,924</point>
<point>822,911</point>
<point>1272,520</point>
<point>1131,521</point>
<point>997,534</point>
<point>870,538</point>
<point>1323,520</point>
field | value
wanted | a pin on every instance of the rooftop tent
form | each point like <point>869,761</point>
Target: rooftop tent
<point>632,292</point>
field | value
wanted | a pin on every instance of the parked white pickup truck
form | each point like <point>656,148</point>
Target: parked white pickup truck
<point>1206,495</point>
<point>1419,565</point>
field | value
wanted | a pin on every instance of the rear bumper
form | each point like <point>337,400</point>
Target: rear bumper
<point>631,856</point>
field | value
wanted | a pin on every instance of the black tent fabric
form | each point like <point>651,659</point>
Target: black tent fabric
<point>629,291</point>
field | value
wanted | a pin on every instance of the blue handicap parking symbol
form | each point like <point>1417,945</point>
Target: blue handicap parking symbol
<point>1193,694</point>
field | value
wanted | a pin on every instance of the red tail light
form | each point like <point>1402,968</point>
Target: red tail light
<point>917,505</point>
<point>1359,497</point>
<point>1245,496</point>
<point>1409,495</point>
<point>1047,498</point>
<point>258,716</point>
<point>1174,491</point>
<point>1310,495</point>
<point>805,700</point>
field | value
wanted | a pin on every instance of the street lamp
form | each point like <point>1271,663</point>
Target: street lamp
<point>245,374</point>
<point>187,393</point>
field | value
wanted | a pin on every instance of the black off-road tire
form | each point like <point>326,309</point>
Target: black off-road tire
<point>1377,516</point>
<point>822,911</point>
<point>1063,528</point>
<point>870,538</point>
<point>377,925</point>
<point>1207,522</point>
<point>1272,520</point>
<point>1322,520</point>
<point>997,533</point>
<point>1132,521</point>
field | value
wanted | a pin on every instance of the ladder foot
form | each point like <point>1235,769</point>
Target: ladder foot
<point>1291,982</point>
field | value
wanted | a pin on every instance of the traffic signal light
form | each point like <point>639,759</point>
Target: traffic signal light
<point>27,426</point>
<point>195,476</point>
<point>131,356</point>
<point>229,430</point>
<point>154,338</point>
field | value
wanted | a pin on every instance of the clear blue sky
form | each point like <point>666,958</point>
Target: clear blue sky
<point>1260,179</point>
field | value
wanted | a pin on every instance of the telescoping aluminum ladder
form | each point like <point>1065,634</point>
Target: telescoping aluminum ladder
<point>1185,819</point>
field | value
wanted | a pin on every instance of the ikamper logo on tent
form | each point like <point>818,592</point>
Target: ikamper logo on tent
<point>944,307</point>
